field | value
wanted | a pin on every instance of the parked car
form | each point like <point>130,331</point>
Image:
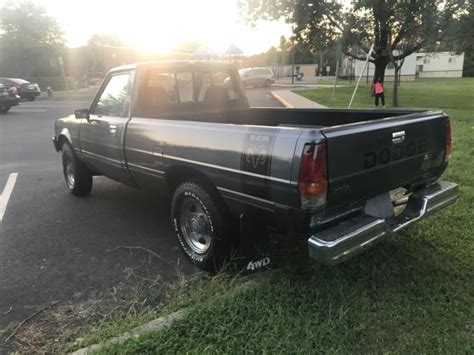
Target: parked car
<point>25,89</point>
<point>324,174</point>
<point>7,99</point>
<point>257,77</point>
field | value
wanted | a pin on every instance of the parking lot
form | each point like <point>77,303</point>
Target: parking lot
<point>56,247</point>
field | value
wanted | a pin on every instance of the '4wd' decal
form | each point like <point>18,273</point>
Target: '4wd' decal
<point>255,265</point>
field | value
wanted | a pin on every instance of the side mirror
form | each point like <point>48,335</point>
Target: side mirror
<point>82,113</point>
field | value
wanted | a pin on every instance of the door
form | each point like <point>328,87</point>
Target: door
<point>102,135</point>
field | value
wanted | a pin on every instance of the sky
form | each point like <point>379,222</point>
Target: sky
<point>160,25</point>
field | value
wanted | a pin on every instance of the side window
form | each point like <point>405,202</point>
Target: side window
<point>113,100</point>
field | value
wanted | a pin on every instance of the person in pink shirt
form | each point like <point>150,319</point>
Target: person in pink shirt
<point>379,92</point>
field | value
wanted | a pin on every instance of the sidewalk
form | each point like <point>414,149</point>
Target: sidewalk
<point>79,94</point>
<point>291,100</point>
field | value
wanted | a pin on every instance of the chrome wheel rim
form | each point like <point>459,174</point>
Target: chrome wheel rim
<point>69,173</point>
<point>195,226</point>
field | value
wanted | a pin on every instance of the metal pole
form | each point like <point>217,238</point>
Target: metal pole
<point>61,64</point>
<point>335,83</point>
<point>321,64</point>
<point>360,76</point>
<point>368,69</point>
<point>293,64</point>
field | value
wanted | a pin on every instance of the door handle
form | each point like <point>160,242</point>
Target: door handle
<point>113,129</point>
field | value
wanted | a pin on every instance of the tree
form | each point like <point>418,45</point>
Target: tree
<point>29,25</point>
<point>27,33</point>
<point>101,40</point>
<point>460,37</point>
<point>388,24</point>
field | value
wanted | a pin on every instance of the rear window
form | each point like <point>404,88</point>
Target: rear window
<point>165,92</point>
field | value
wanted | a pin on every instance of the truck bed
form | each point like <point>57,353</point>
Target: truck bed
<point>252,145</point>
<point>301,118</point>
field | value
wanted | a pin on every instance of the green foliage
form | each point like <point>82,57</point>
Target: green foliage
<point>100,40</point>
<point>468,69</point>
<point>27,25</point>
<point>29,39</point>
<point>459,36</point>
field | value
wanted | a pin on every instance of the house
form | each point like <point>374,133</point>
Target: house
<point>439,65</point>
<point>407,72</point>
<point>422,65</point>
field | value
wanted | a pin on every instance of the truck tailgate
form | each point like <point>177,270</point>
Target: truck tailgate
<point>368,158</point>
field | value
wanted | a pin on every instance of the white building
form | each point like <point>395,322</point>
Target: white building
<point>439,65</point>
<point>423,65</point>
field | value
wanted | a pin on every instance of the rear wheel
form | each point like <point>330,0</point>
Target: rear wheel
<point>268,83</point>
<point>201,222</point>
<point>4,109</point>
<point>31,98</point>
<point>78,176</point>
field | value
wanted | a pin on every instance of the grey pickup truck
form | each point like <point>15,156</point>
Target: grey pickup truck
<point>327,175</point>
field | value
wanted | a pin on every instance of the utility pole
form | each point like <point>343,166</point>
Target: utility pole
<point>368,69</point>
<point>338,57</point>
<point>293,63</point>
<point>321,64</point>
<point>61,64</point>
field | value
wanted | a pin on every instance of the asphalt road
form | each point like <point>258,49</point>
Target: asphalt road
<point>57,247</point>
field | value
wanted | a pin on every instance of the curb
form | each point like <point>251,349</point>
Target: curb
<point>297,102</point>
<point>168,320</point>
<point>64,98</point>
<point>281,100</point>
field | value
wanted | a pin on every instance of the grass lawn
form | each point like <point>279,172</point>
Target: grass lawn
<point>411,294</point>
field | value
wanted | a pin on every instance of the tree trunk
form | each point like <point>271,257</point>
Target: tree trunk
<point>380,65</point>
<point>395,87</point>
<point>396,82</point>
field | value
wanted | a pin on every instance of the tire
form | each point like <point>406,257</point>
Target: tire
<point>31,98</point>
<point>202,225</point>
<point>5,109</point>
<point>268,83</point>
<point>78,176</point>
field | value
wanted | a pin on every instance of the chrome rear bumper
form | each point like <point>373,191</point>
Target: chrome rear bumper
<point>334,245</point>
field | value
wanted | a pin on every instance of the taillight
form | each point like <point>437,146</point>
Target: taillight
<point>313,181</point>
<point>449,146</point>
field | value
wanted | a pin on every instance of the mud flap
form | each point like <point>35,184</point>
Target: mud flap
<point>255,246</point>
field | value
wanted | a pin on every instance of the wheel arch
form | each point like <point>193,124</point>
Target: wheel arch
<point>178,174</point>
<point>64,137</point>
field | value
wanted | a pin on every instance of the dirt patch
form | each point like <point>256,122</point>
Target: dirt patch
<point>56,327</point>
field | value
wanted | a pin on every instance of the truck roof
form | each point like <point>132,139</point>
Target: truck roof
<point>174,64</point>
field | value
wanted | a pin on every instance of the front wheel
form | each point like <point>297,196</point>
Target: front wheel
<point>78,176</point>
<point>201,222</point>
<point>4,109</point>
